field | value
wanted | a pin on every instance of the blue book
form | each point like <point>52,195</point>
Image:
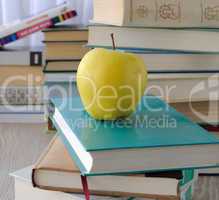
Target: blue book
<point>156,137</point>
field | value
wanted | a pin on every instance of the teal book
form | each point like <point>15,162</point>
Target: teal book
<point>156,137</point>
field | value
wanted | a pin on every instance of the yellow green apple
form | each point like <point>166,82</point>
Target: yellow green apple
<point>111,83</point>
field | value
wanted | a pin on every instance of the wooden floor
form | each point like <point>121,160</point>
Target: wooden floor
<point>21,144</point>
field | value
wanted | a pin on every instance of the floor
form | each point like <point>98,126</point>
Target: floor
<point>21,144</point>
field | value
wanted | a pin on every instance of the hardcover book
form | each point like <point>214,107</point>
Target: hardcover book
<point>157,13</point>
<point>173,62</point>
<point>183,87</point>
<point>202,112</point>
<point>61,66</point>
<point>146,141</point>
<point>140,38</point>
<point>21,57</point>
<point>28,26</point>
<point>173,87</point>
<point>70,50</point>
<point>25,191</point>
<point>66,33</point>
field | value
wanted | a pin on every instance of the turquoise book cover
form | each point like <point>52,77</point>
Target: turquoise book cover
<point>154,124</point>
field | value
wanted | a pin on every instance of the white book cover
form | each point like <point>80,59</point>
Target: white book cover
<point>25,191</point>
<point>157,13</point>
<point>22,28</point>
<point>21,57</point>
<point>139,38</point>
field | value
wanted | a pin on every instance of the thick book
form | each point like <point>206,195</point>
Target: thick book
<point>69,50</point>
<point>171,87</point>
<point>67,78</point>
<point>45,19</point>
<point>61,66</point>
<point>55,170</point>
<point>177,62</point>
<point>22,114</point>
<point>157,13</point>
<point>20,76</point>
<point>183,87</point>
<point>139,38</point>
<point>202,112</point>
<point>148,140</point>
<point>21,95</point>
<point>25,191</point>
<point>173,62</point>
<point>21,57</point>
<point>66,33</point>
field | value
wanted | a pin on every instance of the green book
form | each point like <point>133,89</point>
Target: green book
<point>156,137</point>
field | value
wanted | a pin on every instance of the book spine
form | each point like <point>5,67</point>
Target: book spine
<point>35,24</point>
<point>172,13</point>
<point>18,25</point>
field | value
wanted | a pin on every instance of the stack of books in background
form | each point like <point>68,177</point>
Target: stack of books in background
<point>177,41</point>
<point>64,48</point>
<point>21,76</point>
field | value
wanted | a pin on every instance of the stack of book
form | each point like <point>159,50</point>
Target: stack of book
<point>125,158</point>
<point>151,154</point>
<point>65,46</point>
<point>178,43</point>
<point>21,83</point>
<point>25,191</point>
<point>21,77</point>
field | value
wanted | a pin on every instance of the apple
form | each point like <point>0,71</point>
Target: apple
<point>111,83</point>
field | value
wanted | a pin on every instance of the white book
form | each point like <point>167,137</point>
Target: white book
<point>26,118</point>
<point>22,28</point>
<point>180,62</point>
<point>157,13</point>
<point>210,172</point>
<point>20,57</point>
<point>60,77</point>
<point>25,191</point>
<point>22,113</point>
<point>22,109</point>
<point>172,87</point>
<point>184,87</point>
<point>138,38</point>
<point>156,62</point>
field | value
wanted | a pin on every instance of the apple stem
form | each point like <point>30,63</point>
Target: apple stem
<point>113,41</point>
